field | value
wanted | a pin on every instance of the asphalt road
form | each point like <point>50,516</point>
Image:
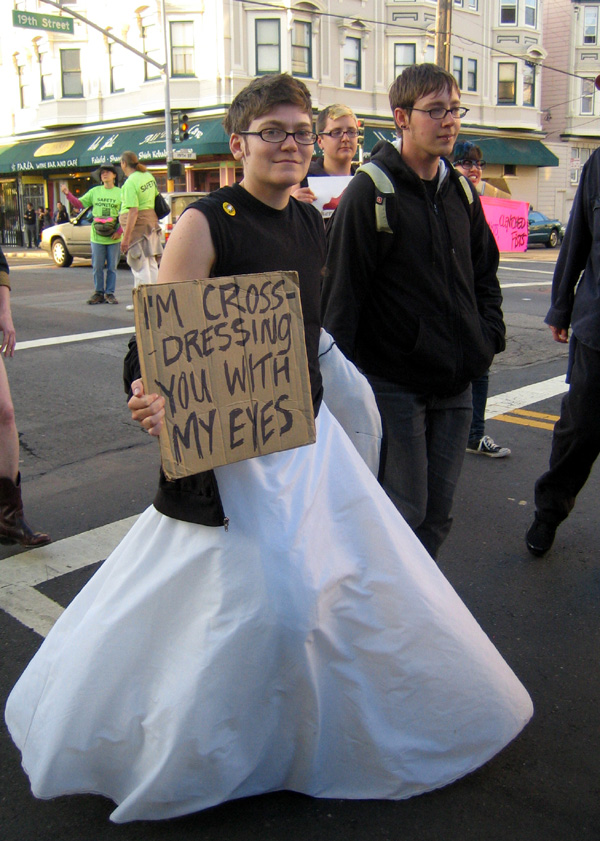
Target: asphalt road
<point>86,465</point>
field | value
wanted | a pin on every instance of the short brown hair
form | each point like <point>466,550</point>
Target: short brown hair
<point>263,94</point>
<point>131,159</point>
<point>419,80</point>
<point>333,112</point>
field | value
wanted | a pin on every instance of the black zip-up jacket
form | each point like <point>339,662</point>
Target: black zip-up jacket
<point>580,252</point>
<point>421,306</point>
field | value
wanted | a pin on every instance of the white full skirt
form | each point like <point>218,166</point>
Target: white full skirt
<point>314,647</point>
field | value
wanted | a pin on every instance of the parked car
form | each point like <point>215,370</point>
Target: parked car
<point>72,239</point>
<point>543,229</point>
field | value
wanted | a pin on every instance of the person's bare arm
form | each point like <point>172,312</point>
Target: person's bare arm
<point>9,336</point>
<point>132,215</point>
<point>189,255</point>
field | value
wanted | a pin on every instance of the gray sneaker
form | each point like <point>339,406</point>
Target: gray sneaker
<point>486,446</point>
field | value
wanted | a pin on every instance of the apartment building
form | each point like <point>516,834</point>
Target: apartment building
<point>570,107</point>
<point>74,98</point>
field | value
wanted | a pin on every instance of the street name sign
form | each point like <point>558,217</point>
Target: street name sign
<point>37,20</point>
<point>184,154</point>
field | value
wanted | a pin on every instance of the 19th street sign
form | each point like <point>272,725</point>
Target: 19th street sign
<point>36,20</point>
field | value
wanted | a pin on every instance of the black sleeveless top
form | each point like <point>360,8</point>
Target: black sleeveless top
<point>249,236</point>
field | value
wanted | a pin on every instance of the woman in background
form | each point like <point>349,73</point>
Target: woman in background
<point>141,240</point>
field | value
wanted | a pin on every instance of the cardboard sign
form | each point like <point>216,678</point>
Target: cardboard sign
<point>328,191</point>
<point>229,356</point>
<point>508,221</point>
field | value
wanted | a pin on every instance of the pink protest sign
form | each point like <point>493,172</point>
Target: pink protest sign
<point>508,221</point>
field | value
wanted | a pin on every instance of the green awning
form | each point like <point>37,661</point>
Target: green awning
<point>374,135</point>
<point>207,137</point>
<point>30,156</point>
<point>521,152</point>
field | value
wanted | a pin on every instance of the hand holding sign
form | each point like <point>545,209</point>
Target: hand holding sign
<point>229,359</point>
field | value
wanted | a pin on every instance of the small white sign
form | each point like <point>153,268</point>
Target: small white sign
<point>184,154</point>
<point>328,192</point>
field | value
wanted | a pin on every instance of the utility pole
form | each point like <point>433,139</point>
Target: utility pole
<point>443,33</point>
<point>164,69</point>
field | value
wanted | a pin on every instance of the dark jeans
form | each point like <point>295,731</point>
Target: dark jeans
<point>480,393</point>
<point>425,439</point>
<point>31,234</point>
<point>576,438</point>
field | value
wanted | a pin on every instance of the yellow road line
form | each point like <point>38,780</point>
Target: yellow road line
<point>523,422</point>
<point>539,415</point>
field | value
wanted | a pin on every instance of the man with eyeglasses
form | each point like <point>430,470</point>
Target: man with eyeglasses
<point>417,305</point>
<point>337,137</point>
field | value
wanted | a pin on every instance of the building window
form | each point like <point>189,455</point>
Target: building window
<point>46,76</point>
<point>590,25</point>
<point>471,74</point>
<point>587,97</point>
<point>459,3</point>
<point>117,72</point>
<point>579,156</point>
<point>268,52</point>
<point>182,48</point>
<point>151,48</point>
<point>23,86</point>
<point>474,5</point>
<point>430,54</point>
<point>70,72</point>
<point>404,56</point>
<point>457,70</point>
<point>507,83</point>
<point>352,63</point>
<point>529,84</point>
<point>508,11</point>
<point>530,12</point>
<point>301,48</point>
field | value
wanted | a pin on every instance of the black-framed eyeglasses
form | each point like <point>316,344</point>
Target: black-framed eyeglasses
<point>338,133</point>
<point>458,112</point>
<point>278,135</point>
<point>469,164</point>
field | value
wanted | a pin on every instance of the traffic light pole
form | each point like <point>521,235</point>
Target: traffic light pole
<point>168,123</point>
<point>164,69</point>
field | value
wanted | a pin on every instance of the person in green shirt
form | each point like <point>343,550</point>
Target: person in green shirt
<point>141,240</point>
<point>106,235</point>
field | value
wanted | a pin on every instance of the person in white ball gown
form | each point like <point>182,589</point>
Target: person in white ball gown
<point>311,644</point>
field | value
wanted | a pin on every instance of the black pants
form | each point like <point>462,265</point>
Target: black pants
<point>576,439</point>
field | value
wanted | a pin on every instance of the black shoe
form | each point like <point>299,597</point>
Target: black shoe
<point>540,536</point>
<point>97,298</point>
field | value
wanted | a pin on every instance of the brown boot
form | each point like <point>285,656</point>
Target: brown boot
<point>13,528</point>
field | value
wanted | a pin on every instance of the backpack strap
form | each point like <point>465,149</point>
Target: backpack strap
<point>464,182</point>
<point>383,187</point>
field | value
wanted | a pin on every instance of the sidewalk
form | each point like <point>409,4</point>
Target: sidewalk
<point>22,251</point>
<point>534,252</point>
